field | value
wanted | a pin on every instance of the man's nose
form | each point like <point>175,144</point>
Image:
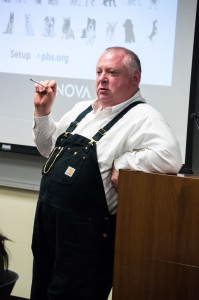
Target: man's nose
<point>103,77</point>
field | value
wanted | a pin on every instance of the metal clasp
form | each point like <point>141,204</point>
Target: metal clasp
<point>66,133</point>
<point>92,141</point>
<point>47,168</point>
<point>102,131</point>
<point>74,123</point>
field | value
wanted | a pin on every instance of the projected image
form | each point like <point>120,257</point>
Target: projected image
<point>65,38</point>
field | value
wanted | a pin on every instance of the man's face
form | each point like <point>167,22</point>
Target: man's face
<point>114,83</point>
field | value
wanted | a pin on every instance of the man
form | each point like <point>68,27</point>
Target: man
<point>73,238</point>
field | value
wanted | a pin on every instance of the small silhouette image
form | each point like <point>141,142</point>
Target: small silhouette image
<point>88,32</point>
<point>134,2</point>
<point>110,31</point>
<point>153,4</point>
<point>21,1</point>
<point>89,2</point>
<point>75,2</point>
<point>53,2</point>
<point>9,28</point>
<point>154,30</point>
<point>129,33</point>
<point>67,31</point>
<point>109,2</point>
<point>49,26</point>
<point>28,25</point>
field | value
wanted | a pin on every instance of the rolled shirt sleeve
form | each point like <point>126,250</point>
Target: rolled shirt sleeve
<point>148,160</point>
<point>159,151</point>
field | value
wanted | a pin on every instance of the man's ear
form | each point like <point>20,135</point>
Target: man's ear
<point>136,76</point>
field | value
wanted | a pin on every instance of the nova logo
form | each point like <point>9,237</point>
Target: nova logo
<point>74,90</point>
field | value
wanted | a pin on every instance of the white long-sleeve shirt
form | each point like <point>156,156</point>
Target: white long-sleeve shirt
<point>141,140</point>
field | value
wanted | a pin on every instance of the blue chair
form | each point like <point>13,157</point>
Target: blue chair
<point>7,287</point>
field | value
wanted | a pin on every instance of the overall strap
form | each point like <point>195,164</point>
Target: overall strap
<point>74,123</point>
<point>101,132</point>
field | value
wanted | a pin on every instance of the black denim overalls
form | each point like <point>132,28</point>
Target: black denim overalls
<point>73,237</point>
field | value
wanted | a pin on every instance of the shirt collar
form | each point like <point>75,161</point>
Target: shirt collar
<point>137,97</point>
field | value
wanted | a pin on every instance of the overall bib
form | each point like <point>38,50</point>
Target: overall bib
<point>73,237</point>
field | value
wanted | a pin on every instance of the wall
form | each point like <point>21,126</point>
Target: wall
<point>17,208</point>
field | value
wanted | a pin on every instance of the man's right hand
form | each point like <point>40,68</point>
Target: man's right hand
<point>44,97</point>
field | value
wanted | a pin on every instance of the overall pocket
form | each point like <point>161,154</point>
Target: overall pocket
<point>65,162</point>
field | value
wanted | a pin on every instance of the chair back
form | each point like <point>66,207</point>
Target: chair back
<point>7,287</point>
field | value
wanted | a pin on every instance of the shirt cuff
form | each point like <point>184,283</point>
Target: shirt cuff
<point>121,162</point>
<point>40,121</point>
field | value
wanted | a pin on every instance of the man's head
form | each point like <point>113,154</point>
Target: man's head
<point>118,74</point>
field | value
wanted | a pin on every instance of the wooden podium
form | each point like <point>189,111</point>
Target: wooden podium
<point>157,237</point>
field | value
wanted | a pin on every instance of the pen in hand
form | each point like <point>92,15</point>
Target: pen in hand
<point>36,82</point>
<point>45,87</point>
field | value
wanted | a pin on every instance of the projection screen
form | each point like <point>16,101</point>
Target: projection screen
<point>62,40</point>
